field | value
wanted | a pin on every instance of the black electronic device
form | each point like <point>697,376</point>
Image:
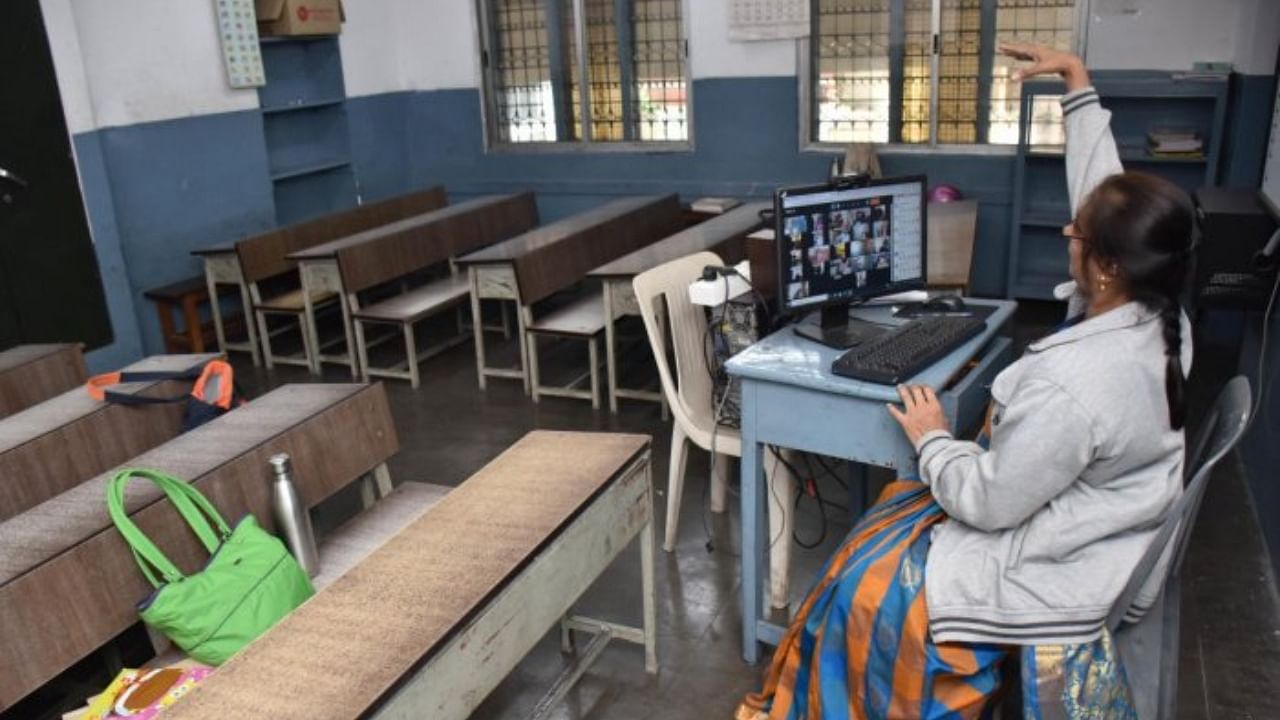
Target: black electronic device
<point>945,304</point>
<point>904,351</point>
<point>1234,226</point>
<point>843,242</point>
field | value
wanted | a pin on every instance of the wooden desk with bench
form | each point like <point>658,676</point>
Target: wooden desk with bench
<point>266,253</point>
<point>724,234</point>
<point>531,267</point>
<point>266,257</point>
<point>360,262</point>
<point>31,374</point>
<point>67,549</point>
<point>54,446</point>
<point>432,621</point>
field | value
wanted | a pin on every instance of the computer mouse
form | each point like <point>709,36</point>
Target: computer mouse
<point>944,303</point>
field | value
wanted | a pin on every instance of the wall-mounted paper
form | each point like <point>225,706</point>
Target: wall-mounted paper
<point>238,30</point>
<point>768,19</point>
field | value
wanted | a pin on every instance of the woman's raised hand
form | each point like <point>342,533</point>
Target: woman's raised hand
<point>1047,61</point>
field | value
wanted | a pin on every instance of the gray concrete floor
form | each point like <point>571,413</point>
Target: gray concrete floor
<point>1230,664</point>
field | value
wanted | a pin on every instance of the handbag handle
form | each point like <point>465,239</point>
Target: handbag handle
<point>99,386</point>
<point>201,517</point>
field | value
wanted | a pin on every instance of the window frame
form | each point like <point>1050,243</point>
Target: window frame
<point>804,71</point>
<point>488,100</point>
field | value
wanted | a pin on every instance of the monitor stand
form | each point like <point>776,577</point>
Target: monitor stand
<point>836,329</point>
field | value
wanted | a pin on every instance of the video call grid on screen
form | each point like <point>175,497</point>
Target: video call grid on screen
<point>852,242</point>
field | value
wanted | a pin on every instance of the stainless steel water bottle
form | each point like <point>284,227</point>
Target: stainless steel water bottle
<point>292,519</point>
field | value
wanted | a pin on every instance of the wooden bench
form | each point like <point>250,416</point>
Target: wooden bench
<point>267,257</point>
<point>723,234</point>
<point>267,251</point>
<point>531,267</point>
<point>50,448</point>
<point>373,258</point>
<point>186,295</point>
<point>432,621</point>
<point>67,549</point>
<point>31,374</point>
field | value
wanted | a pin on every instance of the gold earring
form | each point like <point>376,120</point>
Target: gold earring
<point>1103,282</point>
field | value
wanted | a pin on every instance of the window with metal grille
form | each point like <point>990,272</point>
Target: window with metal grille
<point>631,53</point>
<point>926,71</point>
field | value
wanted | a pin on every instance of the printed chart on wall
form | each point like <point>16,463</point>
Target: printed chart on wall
<point>238,28</point>
<point>768,19</point>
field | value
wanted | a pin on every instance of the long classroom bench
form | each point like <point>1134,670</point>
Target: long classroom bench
<point>533,266</point>
<point>724,234</point>
<point>431,622</point>
<point>67,549</point>
<point>250,261</point>
<point>31,374</point>
<point>361,262</point>
<point>54,446</point>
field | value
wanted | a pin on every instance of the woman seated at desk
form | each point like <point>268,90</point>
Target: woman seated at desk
<point>1022,546</point>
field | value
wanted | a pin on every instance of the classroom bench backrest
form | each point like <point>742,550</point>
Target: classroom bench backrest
<point>445,233</point>
<point>588,241</point>
<point>265,256</point>
<point>31,374</point>
<point>68,549</point>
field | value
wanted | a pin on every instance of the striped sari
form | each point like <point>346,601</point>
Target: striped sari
<point>859,647</point>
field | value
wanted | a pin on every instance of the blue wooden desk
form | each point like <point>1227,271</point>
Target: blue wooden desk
<point>790,399</point>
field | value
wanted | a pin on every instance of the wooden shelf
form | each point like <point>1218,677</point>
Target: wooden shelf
<point>1127,155</point>
<point>309,169</point>
<point>308,105</point>
<point>281,39</point>
<point>1046,217</point>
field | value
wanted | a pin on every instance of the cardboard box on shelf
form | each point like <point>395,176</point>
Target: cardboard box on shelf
<point>299,17</point>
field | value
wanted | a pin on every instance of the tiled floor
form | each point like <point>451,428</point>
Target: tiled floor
<point>448,428</point>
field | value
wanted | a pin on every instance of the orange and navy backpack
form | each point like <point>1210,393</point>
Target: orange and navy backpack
<point>213,394</point>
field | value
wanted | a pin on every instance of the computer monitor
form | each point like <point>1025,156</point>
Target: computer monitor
<point>841,243</point>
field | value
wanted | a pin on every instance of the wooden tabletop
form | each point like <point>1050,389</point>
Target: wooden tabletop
<point>67,548</point>
<point>548,235</point>
<point>347,650</point>
<point>226,248</point>
<point>329,250</point>
<point>32,374</point>
<point>18,356</point>
<point>735,223</point>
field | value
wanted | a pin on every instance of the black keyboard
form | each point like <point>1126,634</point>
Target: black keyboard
<point>907,349</point>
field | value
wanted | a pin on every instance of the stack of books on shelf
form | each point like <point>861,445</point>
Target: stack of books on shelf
<point>1175,143</point>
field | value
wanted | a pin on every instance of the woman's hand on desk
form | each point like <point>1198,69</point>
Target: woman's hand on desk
<point>921,413</point>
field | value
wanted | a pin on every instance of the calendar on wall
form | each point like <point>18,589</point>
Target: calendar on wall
<point>238,31</point>
<point>768,19</point>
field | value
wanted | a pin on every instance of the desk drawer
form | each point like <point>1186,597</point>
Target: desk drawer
<point>967,400</point>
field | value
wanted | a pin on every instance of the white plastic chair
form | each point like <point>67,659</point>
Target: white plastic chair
<point>688,392</point>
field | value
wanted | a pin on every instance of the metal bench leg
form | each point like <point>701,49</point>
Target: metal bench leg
<point>648,588</point>
<point>346,331</point>
<point>610,348</point>
<point>411,354</point>
<point>566,633</point>
<point>362,351</point>
<point>594,350</point>
<point>219,332</point>
<point>310,336</point>
<point>477,327</point>
<point>524,316</point>
<point>533,379</point>
<point>264,333</point>
<point>250,328</point>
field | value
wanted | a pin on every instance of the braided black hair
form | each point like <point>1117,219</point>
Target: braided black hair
<point>1142,226</point>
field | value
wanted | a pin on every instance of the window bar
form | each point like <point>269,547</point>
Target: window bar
<point>935,72</point>
<point>584,93</point>
<point>561,95</point>
<point>897,55</point>
<point>986,52</point>
<point>623,24</point>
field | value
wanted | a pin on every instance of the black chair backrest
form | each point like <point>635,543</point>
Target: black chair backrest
<point>1222,429</point>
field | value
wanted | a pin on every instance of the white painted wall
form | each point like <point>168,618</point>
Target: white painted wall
<point>148,60</point>
<point>1172,34</point>
<point>711,54</point>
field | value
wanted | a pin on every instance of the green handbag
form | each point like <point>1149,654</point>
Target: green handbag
<point>250,582</point>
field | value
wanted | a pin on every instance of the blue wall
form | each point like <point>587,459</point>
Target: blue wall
<point>163,189</point>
